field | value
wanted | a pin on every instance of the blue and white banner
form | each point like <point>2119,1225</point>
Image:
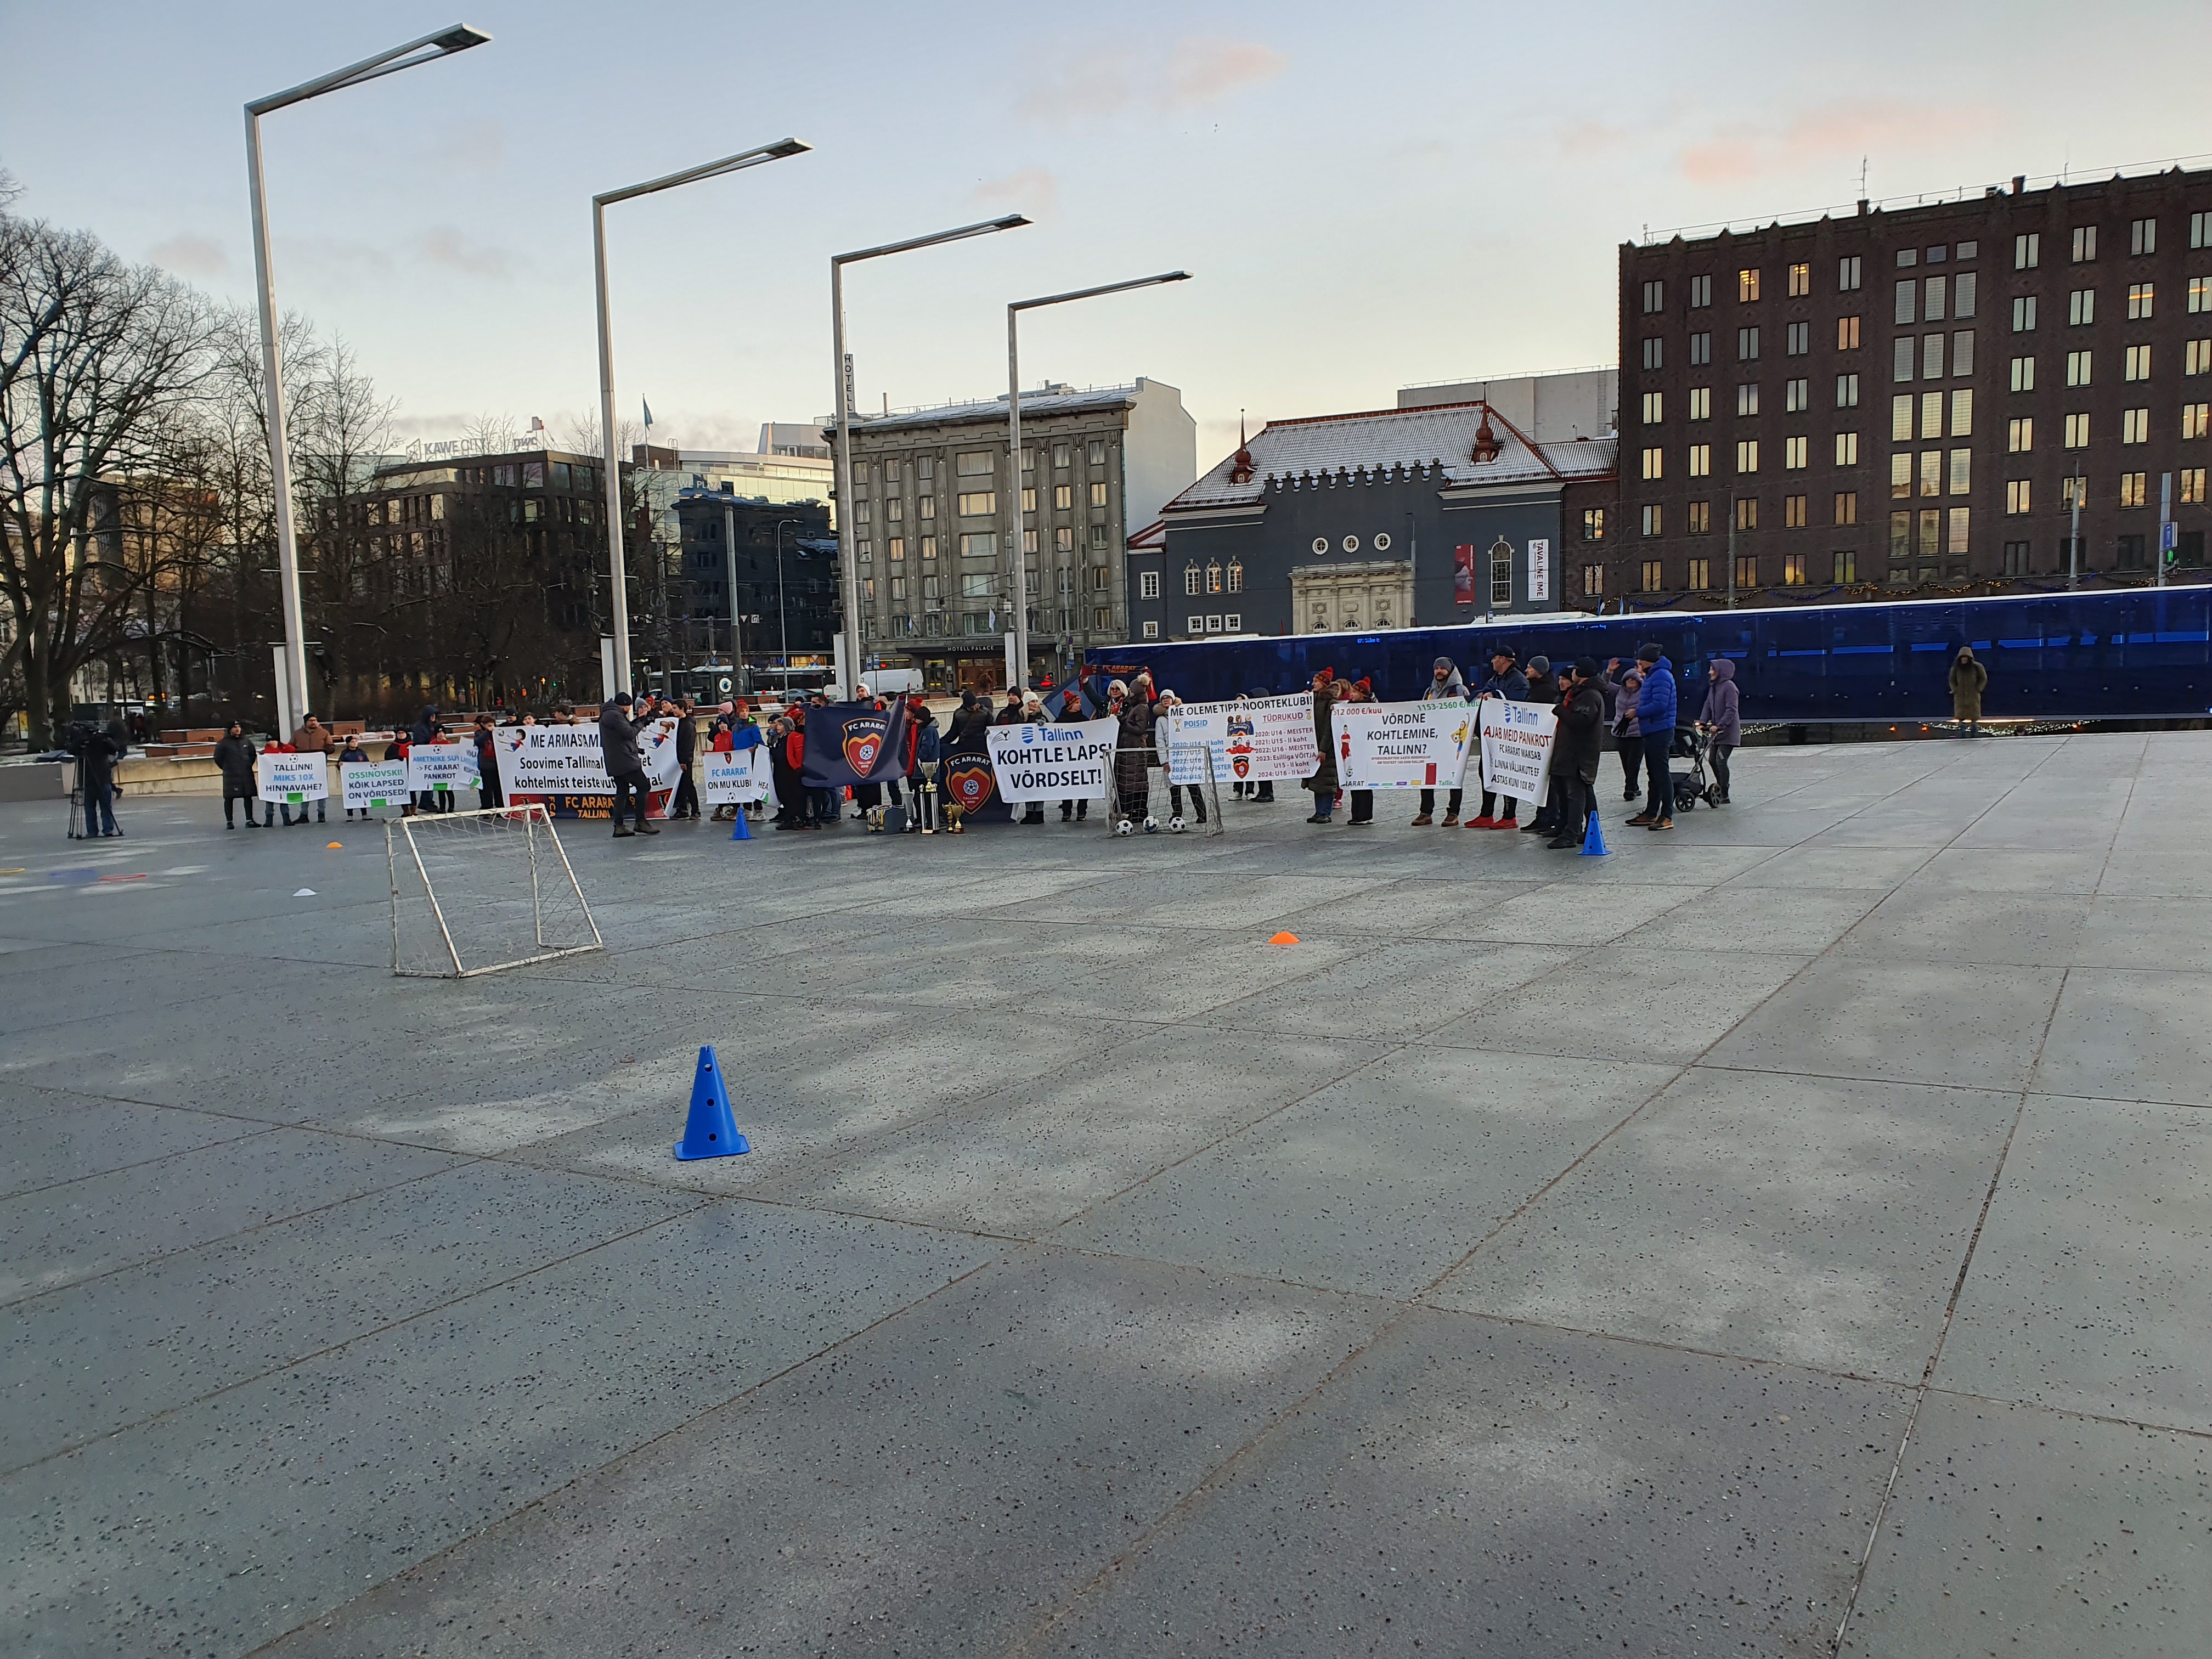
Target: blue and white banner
<point>1071,760</point>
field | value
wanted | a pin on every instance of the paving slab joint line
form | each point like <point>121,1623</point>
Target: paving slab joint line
<point>547,1496</point>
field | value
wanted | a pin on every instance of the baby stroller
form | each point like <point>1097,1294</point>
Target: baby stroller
<point>1692,785</point>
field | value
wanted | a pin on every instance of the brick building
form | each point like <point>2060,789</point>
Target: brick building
<point>1913,401</point>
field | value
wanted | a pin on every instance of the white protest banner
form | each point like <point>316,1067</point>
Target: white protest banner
<point>1257,740</point>
<point>560,766</point>
<point>1072,761</point>
<point>291,777</point>
<point>441,768</point>
<point>372,783</point>
<point>1516,747</point>
<point>1401,745</point>
<point>728,780</point>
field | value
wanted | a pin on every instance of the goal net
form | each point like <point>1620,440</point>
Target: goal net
<point>475,891</point>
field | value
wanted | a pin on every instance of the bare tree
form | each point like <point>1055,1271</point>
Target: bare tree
<point>98,362</point>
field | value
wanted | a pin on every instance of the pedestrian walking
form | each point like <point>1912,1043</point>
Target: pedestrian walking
<point>1445,685</point>
<point>1506,682</point>
<point>1968,681</point>
<point>1322,784</point>
<point>1574,754</point>
<point>686,803</point>
<point>618,732</point>
<point>1655,710</point>
<point>1719,720</point>
<point>233,757</point>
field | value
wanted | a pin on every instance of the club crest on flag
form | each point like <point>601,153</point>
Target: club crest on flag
<point>862,749</point>
<point>970,783</point>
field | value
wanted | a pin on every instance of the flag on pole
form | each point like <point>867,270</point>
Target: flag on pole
<point>648,414</point>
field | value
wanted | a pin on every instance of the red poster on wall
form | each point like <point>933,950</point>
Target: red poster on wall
<point>1463,573</point>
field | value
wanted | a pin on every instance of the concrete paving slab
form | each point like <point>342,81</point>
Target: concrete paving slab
<point>1937,922</point>
<point>2153,933</point>
<point>2091,1289</point>
<point>1979,1025</point>
<point>1380,1183</point>
<point>1468,1487</point>
<point>2131,1036</point>
<point>935,1486</point>
<point>158,1336</point>
<point>1817,1223</point>
<point>64,1235</point>
<point>1580,1013</point>
<point>2015,1531</point>
<point>1800,869</point>
<point>1420,907</point>
<point>1343,998</point>
<point>232,1521</point>
<point>2015,872</point>
<point>1562,914</point>
<point>1729,919</point>
<point>74,1136</point>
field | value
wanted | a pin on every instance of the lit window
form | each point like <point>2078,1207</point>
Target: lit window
<point>1701,403</point>
<point>2020,436</point>
<point>1847,507</point>
<point>1063,498</point>
<point>981,504</point>
<point>1847,566</point>
<point>1593,523</point>
<point>1847,334</point>
<point>1793,570</point>
<point>1655,519</point>
<point>2077,431</point>
<point>2081,307</point>
<point>2192,486</point>
<point>1235,579</point>
<point>1900,475</point>
<point>1955,529</point>
<point>1747,455</point>
<point>1593,582</point>
<point>2195,420</point>
<point>1698,519</point>
<point>2134,489</point>
<point>1655,463</point>
<point>1098,494</point>
<point>1931,473</point>
<point>2139,302</point>
<point>2200,295</point>
<point>1747,570</point>
<point>2023,374</point>
<point>1962,411</point>
<point>1847,449</point>
<point>1962,464</point>
<point>1747,285</point>
<point>2078,368</point>
<point>2073,492</point>
<point>1701,461</point>
<point>1931,413</point>
<point>2135,426</point>
<point>1800,281</point>
<point>1793,512</point>
<point>1900,418</point>
<point>1746,512</point>
<point>2018,497</point>
<point>1654,403</point>
<point>1151,630</point>
<point>1796,453</point>
<point>1651,575</point>
<point>2135,365</point>
<point>2197,357</point>
<point>1213,576</point>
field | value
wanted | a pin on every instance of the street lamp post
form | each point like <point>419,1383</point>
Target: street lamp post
<point>428,49</point>
<point>1014,449</point>
<point>848,568</point>
<point>617,564</point>
<point>782,619</point>
<point>729,559</point>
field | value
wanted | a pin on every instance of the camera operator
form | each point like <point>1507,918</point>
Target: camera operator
<point>96,754</point>
<point>618,732</point>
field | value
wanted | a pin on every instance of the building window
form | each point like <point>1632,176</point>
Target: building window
<point>2020,436</point>
<point>1955,532</point>
<point>1654,404</point>
<point>1654,519</point>
<point>1847,507</point>
<point>2019,496</point>
<point>1794,454</point>
<point>1701,403</point>
<point>864,552</point>
<point>985,546</point>
<point>1501,577</point>
<point>2197,357</point>
<point>2195,420</point>
<point>1098,535</point>
<point>1933,311</point>
<point>1747,455</point>
<point>1148,584</point>
<point>1800,281</point>
<point>929,547</point>
<point>2026,251</point>
<point>2085,244</point>
<point>1654,297</point>
<point>1907,257</point>
<point>2135,426</point>
<point>1793,570</point>
<point>1098,495</point>
<point>2192,486</point>
<point>1847,273</point>
<point>2017,562</point>
<point>1213,576</point>
<point>2023,374</point>
<point>2139,302</point>
<point>1654,352</point>
<point>1906,311</point>
<point>1901,475</point>
<point>1747,285</point>
<point>973,464</point>
<point>1793,512</point>
<point>2078,367</point>
<point>1701,574</point>
<point>1962,295</point>
<point>1962,411</point>
<point>1028,499</point>
<point>1931,357</point>
<point>1931,471</point>
<point>2128,552</point>
<point>1593,523</point>
<point>896,547</point>
<point>1901,359</point>
<point>859,512</point>
<point>1798,339</point>
<point>1060,458</point>
<point>1962,461</point>
<point>2135,365</point>
<point>2143,236</point>
<point>1846,565</point>
<point>1747,399</point>
<point>2073,492</point>
<point>1847,392</point>
<point>1797,397</point>
<point>2081,307</point>
<point>1900,418</point>
<point>1700,518</point>
<point>1097,452</point>
<point>1651,575</point>
<point>1747,345</point>
<point>1701,461</point>
<point>2200,295</point>
<point>1194,580</point>
<point>1746,512</point>
<point>1593,582</point>
<point>1847,449</point>
<point>1962,352</point>
<point>2077,431</point>
<point>926,506</point>
<point>979,504</point>
<point>1701,349</point>
<point>2023,313</point>
<point>1063,498</point>
<point>1235,578</point>
<point>1151,630</point>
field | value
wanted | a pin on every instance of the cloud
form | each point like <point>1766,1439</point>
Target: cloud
<point>1098,81</point>
<point>1032,191</point>
<point>188,255</point>
<point>1735,153</point>
<point>443,245</point>
<point>1587,140</point>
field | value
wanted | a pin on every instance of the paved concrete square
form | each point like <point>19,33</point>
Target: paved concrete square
<point>1792,1230</point>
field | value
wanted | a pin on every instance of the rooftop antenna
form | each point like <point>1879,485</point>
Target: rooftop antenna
<point>1862,177</point>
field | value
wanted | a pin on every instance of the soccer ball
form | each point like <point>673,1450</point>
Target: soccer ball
<point>1124,828</point>
<point>1151,824</point>
<point>1175,825</point>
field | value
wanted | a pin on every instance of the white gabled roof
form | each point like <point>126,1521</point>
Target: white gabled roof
<point>1383,439</point>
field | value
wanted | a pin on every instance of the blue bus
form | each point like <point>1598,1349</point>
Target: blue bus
<point>2142,654</point>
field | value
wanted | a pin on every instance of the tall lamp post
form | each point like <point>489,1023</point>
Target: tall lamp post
<point>782,618</point>
<point>1014,449</point>
<point>848,568</point>
<point>617,564</point>
<point>428,49</point>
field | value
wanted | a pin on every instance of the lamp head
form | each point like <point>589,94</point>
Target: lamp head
<point>1011,221</point>
<point>788,147</point>
<point>461,38</point>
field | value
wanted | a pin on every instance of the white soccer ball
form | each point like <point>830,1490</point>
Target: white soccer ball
<point>1151,824</point>
<point>1124,828</point>
<point>1175,825</point>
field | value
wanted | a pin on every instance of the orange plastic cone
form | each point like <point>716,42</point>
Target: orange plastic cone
<point>1283,939</point>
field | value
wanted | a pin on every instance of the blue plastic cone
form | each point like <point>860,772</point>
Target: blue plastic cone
<point>711,1132</point>
<point>1593,843</point>
<point>743,832</point>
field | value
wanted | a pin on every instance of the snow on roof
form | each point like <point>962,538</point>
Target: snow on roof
<point>1446,435</point>
<point>995,408</point>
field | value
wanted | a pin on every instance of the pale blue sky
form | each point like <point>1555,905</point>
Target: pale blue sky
<point>1368,195</point>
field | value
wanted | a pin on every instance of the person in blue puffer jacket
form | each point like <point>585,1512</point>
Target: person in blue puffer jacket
<point>1656,707</point>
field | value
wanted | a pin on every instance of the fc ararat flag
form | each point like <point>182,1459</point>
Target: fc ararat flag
<point>855,742</point>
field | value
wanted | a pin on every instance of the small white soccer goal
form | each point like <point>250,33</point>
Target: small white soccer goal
<point>473,892</point>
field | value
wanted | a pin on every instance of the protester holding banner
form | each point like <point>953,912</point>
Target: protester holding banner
<point>1071,712</point>
<point>1545,688</point>
<point>1163,732</point>
<point>1445,685</point>
<point>1506,682</point>
<point>625,766</point>
<point>352,755</point>
<point>1322,784</point>
<point>1655,709</point>
<point>1361,691</point>
<point>486,746</point>
<point>1575,755</point>
<point>1134,754</point>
